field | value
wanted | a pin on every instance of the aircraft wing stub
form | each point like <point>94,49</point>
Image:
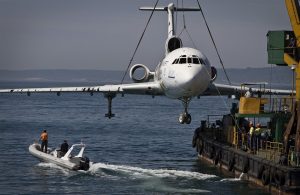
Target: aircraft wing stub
<point>222,89</point>
<point>133,88</point>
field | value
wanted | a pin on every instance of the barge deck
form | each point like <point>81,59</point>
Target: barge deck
<point>229,143</point>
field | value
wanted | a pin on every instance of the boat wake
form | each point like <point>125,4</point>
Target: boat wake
<point>53,166</point>
<point>155,180</point>
<point>240,178</point>
<point>137,172</point>
<point>152,179</point>
<point>230,180</point>
<point>124,171</point>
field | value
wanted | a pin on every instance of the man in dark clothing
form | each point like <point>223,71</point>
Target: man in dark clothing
<point>64,148</point>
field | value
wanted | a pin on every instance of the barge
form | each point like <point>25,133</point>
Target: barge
<point>260,137</point>
<point>261,155</point>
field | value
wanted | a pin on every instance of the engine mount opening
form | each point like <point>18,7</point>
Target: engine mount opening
<point>174,43</point>
<point>213,73</point>
<point>140,73</point>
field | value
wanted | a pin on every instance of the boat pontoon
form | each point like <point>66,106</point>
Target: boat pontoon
<point>68,160</point>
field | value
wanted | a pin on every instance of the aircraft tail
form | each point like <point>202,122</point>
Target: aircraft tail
<point>172,42</point>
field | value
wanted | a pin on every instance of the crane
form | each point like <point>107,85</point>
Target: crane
<point>284,49</point>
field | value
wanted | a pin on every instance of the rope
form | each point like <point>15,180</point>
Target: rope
<point>139,42</point>
<point>191,38</point>
<point>185,29</point>
<point>219,93</point>
<point>183,20</point>
<point>214,43</point>
<point>181,32</point>
<point>176,12</point>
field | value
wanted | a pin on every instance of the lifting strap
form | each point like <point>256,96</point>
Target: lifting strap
<point>214,43</point>
<point>139,42</point>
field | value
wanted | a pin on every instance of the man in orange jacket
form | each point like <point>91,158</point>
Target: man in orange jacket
<point>44,139</point>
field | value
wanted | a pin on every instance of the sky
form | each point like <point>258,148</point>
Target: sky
<point>102,35</point>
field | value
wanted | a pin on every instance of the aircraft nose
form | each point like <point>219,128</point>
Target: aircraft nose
<point>195,79</point>
<point>191,74</point>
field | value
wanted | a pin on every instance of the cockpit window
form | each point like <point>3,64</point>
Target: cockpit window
<point>175,61</point>
<point>196,61</point>
<point>182,60</point>
<point>191,60</point>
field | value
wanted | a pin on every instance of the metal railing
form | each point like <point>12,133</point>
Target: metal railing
<point>212,118</point>
<point>292,157</point>
<point>274,146</point>
<point>282,104</point>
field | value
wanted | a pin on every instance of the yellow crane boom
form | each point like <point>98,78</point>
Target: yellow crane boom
<point>293,9</point>
<point>293,126</point>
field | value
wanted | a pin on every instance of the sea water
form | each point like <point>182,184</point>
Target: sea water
<point>143,150</point>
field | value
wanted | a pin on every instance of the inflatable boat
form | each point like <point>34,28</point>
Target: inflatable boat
<point>68,160</point>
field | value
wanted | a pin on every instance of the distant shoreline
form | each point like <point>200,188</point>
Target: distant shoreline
<point>276,76</point>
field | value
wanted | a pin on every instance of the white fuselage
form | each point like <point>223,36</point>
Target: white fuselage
<point>184,73</point>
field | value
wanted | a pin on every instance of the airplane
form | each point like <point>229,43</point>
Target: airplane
<point>183,73</point>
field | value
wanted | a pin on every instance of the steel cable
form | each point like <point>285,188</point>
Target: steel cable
<point>214,43</point>
<point>139,42</point>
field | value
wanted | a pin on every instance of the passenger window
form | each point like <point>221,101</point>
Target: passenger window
<point>195,60</point>
<point>182,61</point>
<point>189,60</point>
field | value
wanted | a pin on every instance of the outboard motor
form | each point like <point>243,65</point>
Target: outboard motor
<point>84,163</point>
<point>143,74</point>
<point>213,74</point>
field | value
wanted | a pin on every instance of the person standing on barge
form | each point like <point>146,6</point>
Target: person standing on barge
<point>257,133</point>
<point>251,135</point>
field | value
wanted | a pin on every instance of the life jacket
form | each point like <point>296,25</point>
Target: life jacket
<point>44,136</point>
<point>257,131</point>
<point>251,130</point>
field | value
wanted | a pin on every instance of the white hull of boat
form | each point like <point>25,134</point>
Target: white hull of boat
<point>69,163</point>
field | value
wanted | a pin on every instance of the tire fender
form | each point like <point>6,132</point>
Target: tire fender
<point>217,157</point>
<point>195,140</point>
<point>200,146</point>
<point>231,163</point>
<point>212,152</point>
<point>246,164</point>
<point>260,171</point>
<point>265,178</point>
<point>279,177</point>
